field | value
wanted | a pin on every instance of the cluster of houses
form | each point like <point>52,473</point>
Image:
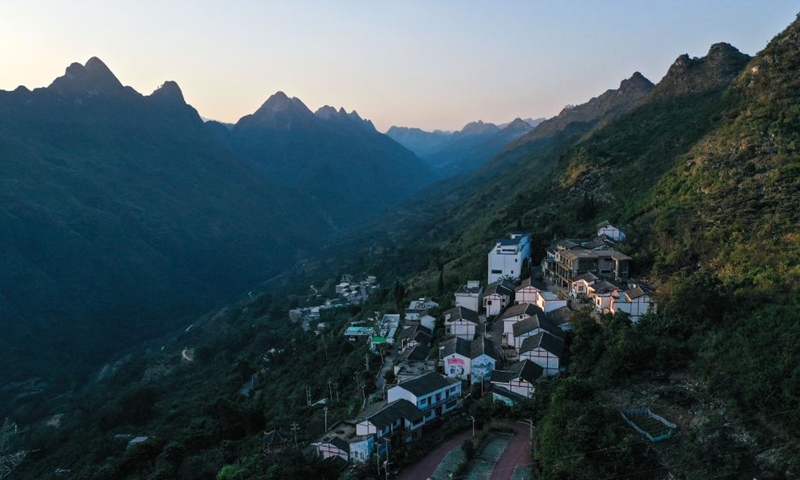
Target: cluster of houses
<point>594,272</point>
<point>504,337</point>
<point>348,291</point>
<point>409,406</point>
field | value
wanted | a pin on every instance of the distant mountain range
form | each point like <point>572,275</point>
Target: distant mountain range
<point>348,168</point>
<point>122,213</point>
<point>454,153</point>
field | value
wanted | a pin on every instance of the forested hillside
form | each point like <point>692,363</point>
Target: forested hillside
<point>123,216</point>
<point>701,171</point>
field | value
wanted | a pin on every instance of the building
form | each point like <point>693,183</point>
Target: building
<point>398,418</point>
<point>342,441</point>
<point>636,302</point>
<point>414,341</point>
<point>497,297</point>
<point>508,256</point>
<point>470,295</point>
<point>525,292</point>
<point>602,262</point>
<point>561,318</point>
<point>549,301</point>
<point>601,293</point>
<point>533,325</point>
<point>456,355</point>
<point>484,356</point>
<point>474,361</point>
<point>504,324</point>
<point>610,231</point>
<point>579,287</point>
<point>432,393</point>
<point>418,308</point>
<point>461,322</point>
<point>544,350</point>
<point>516,382</point>
<point>428,322</point>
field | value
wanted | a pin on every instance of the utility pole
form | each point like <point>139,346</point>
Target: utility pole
<point>326,418</point>
<point>295,428</point>
<point>308,396</point>
<point>336,387</point>
<point>366,362</point>
<point>330,389</point>
<point>473,426</point>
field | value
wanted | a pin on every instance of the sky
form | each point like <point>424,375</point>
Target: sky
<point>426,64</point>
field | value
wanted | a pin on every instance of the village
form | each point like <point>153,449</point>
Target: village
<point>499,338</point>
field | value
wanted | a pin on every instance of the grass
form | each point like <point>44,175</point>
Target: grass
<point>482,466</point>
<point>450,463</point>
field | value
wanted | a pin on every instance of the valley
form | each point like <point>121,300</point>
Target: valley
<point>433,300</point>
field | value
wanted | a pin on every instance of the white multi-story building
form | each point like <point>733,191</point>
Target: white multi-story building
<point>432,393</point>
<point>508,256</point>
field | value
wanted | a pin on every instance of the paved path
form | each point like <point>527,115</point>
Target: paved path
<point>427,465</point>
<point>517,453</point>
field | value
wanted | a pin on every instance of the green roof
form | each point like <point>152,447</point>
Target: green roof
<point>378,340</point>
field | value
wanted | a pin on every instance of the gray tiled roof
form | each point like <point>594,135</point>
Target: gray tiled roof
<point>456,345</point>
<point>532,323</point>
<point>525,370</point>
<point>395,411</point>
<point>461,313</point>
<point>427,383</point>
<point>549,343</point>
<point>521,309</point>
<point>483,345</point>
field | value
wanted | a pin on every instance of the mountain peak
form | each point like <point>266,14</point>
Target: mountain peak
<point>637,80</point>
<point>689,75</point>
<point>279,103</point>
<point>169,91</point>
<point>477,127</point>
<point>326,112</point>
<point>93,79</point>
<point>279,111</point>
<point>95,66</point>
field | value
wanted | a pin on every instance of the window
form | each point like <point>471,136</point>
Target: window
<point>489,302</point>
<point>497,272</point>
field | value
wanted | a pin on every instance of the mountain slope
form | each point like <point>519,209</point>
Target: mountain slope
<point>117,212</point>
<point>465,150</point>
<point>332,155</point>
<point>417,140</point>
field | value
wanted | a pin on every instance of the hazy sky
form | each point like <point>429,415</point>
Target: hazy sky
<point>431,64</point>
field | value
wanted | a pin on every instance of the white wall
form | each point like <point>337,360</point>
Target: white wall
<point>498,303</point>
<point>543,358</point>
<point>397,393</point>
<point>461,329</point>
<point>469,300</point>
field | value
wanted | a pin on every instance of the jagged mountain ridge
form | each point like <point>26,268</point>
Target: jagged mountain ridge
<point>123,213</point>
<point>763,90</point>
<point>334,154</point>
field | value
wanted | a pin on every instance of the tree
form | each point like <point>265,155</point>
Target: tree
<point>399,295</point>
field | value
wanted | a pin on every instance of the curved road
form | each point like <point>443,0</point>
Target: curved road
<point>427,465</point>
<point>517,453</point>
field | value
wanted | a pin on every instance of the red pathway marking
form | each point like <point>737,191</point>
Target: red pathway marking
<point>517,453</point>
<point>425,467</point>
